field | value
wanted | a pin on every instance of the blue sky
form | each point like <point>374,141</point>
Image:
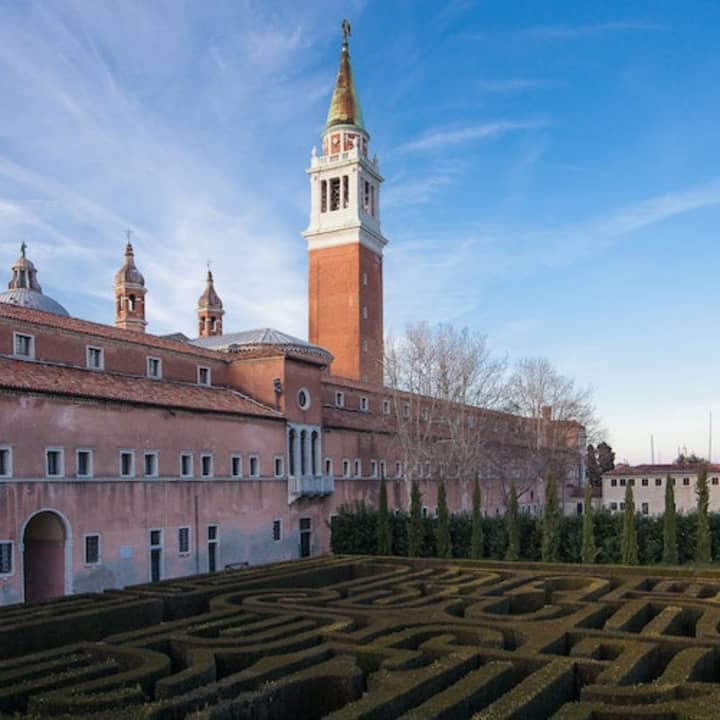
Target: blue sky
<point>552,174</point>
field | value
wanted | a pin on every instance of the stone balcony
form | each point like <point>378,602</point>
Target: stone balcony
<point>309,486</point>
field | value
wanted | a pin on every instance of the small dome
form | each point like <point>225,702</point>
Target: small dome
<point>210,300</point>
<point>33,300</point>
<point>128,273</point>
<point>24,290</point>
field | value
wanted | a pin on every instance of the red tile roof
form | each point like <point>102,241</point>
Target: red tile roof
<point>59,380</point>
<point>50,320</point>
<point>661,469</point>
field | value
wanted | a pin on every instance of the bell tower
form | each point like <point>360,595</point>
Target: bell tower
<point>210,310</point>
<point>345,242</point>
<point>130,293</point>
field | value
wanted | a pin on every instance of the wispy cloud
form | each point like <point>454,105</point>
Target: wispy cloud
<point>439,138</point>
<point>559,32</point>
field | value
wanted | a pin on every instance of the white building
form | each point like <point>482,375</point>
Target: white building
<point>649,482</point>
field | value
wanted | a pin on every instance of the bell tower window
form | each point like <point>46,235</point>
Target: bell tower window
<point>323,196</point>
<point>335,194</point>
<point>346,191</point>
<point>131,303</point>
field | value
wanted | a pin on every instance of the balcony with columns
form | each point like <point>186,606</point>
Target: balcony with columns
<point>305,478</point>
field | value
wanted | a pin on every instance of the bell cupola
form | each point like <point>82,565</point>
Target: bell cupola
<point>130,293</point>
<point>210,310</point>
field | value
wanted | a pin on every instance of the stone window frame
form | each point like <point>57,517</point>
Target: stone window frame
<point>11,555</point>
<point>91,463</point>
<point>279,466</point>
<point>374,469</point>
<point>339,399</point>
<point>204,369</point>
<point>277,530</point>
<point>61,461</point>
<point>89,351</point>
<point>364,404</point>
<point>131,453</point>
<point>30,355</point>
<point>188,551</point>
<point>254,458</point>
<point>98,561</point>
<point>150,361</point>
<point>357,468</point>
<point>328,466</point>
<point>205,456</point>
<point>346,467</point>
<point>156,465</point>
<point>236,457</point>
<point>186,454</point>
<point>303,398</point>
<point>386,406</point>
<point>6,448</point>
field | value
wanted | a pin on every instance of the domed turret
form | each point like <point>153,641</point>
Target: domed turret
<point>130,294</point>
<point>24,290</point>
<point>210,310</point>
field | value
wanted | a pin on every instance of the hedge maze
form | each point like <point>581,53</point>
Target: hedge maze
<point>373,638</point>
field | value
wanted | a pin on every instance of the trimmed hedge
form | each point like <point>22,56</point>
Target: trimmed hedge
<point>354,531</point>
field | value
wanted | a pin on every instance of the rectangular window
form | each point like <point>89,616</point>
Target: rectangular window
<point>645,509</point>
<point>6,558</point>
<point>54,462</point>
<point>95,358</point>
<point>658,482</point>
<point>366,196</point>
<point>358,468</point>
<point>83,463</point>
<point>213,547</point>
<point>613,482</point>
<point>613,506</point>
<point>154,368</point>
<point>328,466</point>
<point>686,481</point>
<point>334,194</point>
<point>644,482</point>
<point>184,541</point>
<point>346,191</point>
<point>383,472</point>
<point>339,399</point>
<point>323,196</point>
<point>278,466</point>
<point>150,464</point>
<point>156,559</point>
<point>206,465</point>
<point>24,346</point>
<point>254,466</point>
<point>277,530</point>
<point>186,465</point>
<point>363,403</point>
<point>373,468</point>
<point>236,466</point>
<point>5,461</point>
<point>92,549</point>
<point>622,482</point>
<point>714,480</point>
<point>127,463</point>
<point>346,468</point>
<point>204,376</point>
<point>386,407</point>
<point>398,469</point>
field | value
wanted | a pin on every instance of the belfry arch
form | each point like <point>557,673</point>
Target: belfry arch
<point>46,552</point>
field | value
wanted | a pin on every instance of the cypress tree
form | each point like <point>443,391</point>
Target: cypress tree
<point>589,549</point>
<point>477,541</point>
<point>628,542</point>
<point>513,526</point>
<point>384,531</point>
<point>550,549</point>
<point>703,553</point>
<point>442,529</point>
<point>670,550</point>
<point>415,525</point>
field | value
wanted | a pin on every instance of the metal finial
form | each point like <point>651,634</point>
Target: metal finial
<point>346,31</point>
<point>23,248</point>
<point>128,235</point>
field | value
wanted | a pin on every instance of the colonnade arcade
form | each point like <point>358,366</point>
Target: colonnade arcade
<point>304,450</point>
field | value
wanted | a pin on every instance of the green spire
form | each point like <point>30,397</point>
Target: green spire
<point>345,106</point>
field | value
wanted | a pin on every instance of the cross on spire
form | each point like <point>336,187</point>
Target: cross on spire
<point>346,31</point>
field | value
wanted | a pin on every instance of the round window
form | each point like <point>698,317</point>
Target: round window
<point>303,399</point>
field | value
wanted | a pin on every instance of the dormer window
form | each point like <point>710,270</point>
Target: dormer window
<point>95,359</point>
<point>204,375</point>
<point>154,368</point>
<point>24,346</point>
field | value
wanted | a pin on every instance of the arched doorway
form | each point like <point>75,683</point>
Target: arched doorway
<point>45,543</point>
